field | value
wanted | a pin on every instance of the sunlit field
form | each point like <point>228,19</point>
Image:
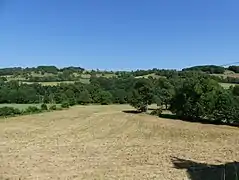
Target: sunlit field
<point>108,142</point>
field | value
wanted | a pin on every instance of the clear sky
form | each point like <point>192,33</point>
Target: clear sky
<point>119,34</point>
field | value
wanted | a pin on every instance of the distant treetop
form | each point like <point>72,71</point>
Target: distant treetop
<point>211,69</point>
<point>38,69</point>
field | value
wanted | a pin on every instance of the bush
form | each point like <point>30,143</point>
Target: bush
<point>44,107</point>
<point>157,112</point>
<point>84,98</point>
<point>65,105</point>
<point>9,111</point>
<point>105,98</point>
<point>235,90</point>
<point>52,107</point>
<point>72,102</point>
<point>59,108</point>
<point>32,109</point>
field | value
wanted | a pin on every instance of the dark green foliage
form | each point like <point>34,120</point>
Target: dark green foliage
<point>157,112</point>
<point>44,107</point>
<point>201,99</point>
<point>47,69</point>
<point>164,92</point>
<point>119,96</point>
<point>142,95</point>
<point>65,104</point>
<point>84,97</point>
<point>105,98</point>
<point>234,69</point>
<point>10,71</point>
<point>192,100</point>
<point>52,107</point>
<point>9,111</point>
<point>32,109</point>
<point>211,69</point>
<point>235,90</point>
<point>2,79</point>
<point>72,69</point>
<point>226,108</point>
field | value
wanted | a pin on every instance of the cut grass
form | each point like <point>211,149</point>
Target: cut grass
<point>102,142</point>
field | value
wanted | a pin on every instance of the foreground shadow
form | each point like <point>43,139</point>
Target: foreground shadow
<point>202,121</point>
<point>169,116</point>
<point>131,112</point>
<point>201,171</point>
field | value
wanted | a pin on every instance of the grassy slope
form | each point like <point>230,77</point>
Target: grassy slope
<point>102,142</point>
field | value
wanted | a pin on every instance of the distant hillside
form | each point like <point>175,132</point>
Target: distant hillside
<point>51,75</point>
<point>211,69</point>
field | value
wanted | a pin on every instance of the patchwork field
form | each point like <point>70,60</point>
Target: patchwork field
<point>103,142</point>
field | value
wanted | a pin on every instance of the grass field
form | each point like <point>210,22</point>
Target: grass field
<point>153,75</point>
<point>227,74</point>
<point>227,85</point>
<point>50,83</point>
<point>23,106</point>
<point>85,81</point>
<point>102,142</point>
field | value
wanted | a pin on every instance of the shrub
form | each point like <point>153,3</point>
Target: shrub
<point>32,109</point>
<point>59,108</point>
<point>65,105</point>
<point>52,107</point>
<point>235,90</point>
<point>44,107</point>
<point>71,102</point>
<point>105,98</point>
<point>84,97</point>
<point>9,111</point>
<point>157,112</point>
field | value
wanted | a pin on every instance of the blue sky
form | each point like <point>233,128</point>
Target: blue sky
<point>119,34</point>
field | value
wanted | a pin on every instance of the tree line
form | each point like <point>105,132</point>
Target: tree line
<point>40,69</point>
<point>188,94</point>
<point>74,73</point>
<point>7,111</point>
<point>194,98</point>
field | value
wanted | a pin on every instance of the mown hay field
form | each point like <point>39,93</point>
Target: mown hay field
<point>103,142</point>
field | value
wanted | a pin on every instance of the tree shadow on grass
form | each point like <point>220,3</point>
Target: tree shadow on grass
<point>202,121</point>
<point>203,171</point>
<point>169,116</point>
<point>131,112</point>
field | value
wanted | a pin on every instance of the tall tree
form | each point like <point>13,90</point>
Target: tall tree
<point>142,95</point>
